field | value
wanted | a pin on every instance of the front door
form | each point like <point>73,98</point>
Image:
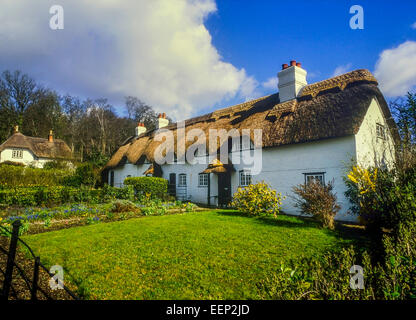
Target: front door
<point>224,189</point>
<point>172,184</point>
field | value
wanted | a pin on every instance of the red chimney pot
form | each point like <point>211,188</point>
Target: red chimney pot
<point>285,66</point>
<point>298,64</point>
<point>293,63</point>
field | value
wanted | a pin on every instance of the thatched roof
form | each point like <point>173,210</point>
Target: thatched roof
<point>40,147</point>
<point>328,109</point>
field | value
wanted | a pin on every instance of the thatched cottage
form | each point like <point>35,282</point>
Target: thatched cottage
<point>33,151</point>
<point>309,131</point>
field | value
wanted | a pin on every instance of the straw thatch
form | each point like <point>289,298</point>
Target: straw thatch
<point>218,167</point>
<point>328,109</point>
<point>41,148</point>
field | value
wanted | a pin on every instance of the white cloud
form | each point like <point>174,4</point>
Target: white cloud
<point>342,69</point>
<point>414,26</point>
<point>396,69</point>
<point>270,83</point>
<point>157,50</point>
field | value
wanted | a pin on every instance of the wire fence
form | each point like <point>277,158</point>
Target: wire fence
<point>12,268</point>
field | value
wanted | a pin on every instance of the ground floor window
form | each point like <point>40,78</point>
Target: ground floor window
<point>203,180</point>
<point>182,180</point>
<point>245,178</point>
<point>17,154</point>
<point>318,176</point>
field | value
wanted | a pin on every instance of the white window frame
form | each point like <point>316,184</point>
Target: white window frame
<point>320,176</point>
<point>203,180</point>
<point>245,178</point>
<point>181,181</point>
<point>380,131</point>
<point>17,154</point>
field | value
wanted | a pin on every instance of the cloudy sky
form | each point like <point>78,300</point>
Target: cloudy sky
<point>187,57</point>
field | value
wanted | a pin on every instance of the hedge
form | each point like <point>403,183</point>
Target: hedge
<point>151,186</point>
<point>40,195</point>
<point>14,176</point>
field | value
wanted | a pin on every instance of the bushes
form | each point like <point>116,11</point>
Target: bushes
<point>13,176</point>
<point>257,199</point>
<point>152,186</point>
<point>318,200</point>
<point>37,196</point>
<point>85,174</point>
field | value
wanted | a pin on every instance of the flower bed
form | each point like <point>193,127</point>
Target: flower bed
<point>41,219</point>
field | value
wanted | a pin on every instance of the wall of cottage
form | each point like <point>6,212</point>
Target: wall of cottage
<point>371,149</point>
<point>28,157</point>
<point>286,166</point>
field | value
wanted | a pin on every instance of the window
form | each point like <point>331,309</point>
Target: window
<point>319,176</point>
<point>245,178</point>
<point>381,131</point>
<point>203,180</point>
<point>182,180</point>
<point>17,154</point>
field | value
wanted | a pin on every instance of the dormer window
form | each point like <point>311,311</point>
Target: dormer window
<point>380,131</point>
<point>17,154</point>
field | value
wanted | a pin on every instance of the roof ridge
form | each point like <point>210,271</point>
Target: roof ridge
<point>340,81</point>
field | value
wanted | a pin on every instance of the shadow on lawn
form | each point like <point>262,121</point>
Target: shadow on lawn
<point>346,231</point>
<point>278,222</point>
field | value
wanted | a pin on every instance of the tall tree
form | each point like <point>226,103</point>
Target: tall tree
<point>137,110</point>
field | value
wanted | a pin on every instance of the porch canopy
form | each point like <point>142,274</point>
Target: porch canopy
<point>218,167</point>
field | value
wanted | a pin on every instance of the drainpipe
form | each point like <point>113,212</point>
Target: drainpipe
<point>209,189</point>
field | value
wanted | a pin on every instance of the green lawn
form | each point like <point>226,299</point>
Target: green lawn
<point>201,255</point>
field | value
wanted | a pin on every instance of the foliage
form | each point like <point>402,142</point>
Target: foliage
<point>123,206</point>
<point>317,200</point>
<point>257,199</point>
<point>14,176</point>
<point>85,174</point>
<point>148,186</point>
<point>205,255</point>
<point>57,164</point>
<point>40,195</point>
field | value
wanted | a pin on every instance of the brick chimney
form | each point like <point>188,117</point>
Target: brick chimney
<point>140,129</point>
<point>162,121</point>
<point>50,137</point>
<point>292,78</point>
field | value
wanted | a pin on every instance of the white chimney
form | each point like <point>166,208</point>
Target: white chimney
<point>162,121</point>
<point>291,81</point>
<point>140,129</point>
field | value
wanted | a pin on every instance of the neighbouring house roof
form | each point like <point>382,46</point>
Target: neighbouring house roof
<point>40,147</point>
<point>327,109</point>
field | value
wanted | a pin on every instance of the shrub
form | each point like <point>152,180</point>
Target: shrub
<point>85,174</point>
<point>383,199</point>
<point>317,200</point>
<point>123,206</point>
<point>148,186</point>
<point>14,176</point>
<point>257,199</point>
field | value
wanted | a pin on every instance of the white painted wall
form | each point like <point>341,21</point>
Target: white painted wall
<point>28,157</point>
<point>372,150</point>
<point>284,167</point>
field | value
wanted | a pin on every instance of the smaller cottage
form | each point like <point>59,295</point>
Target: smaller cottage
<point>33,151</point>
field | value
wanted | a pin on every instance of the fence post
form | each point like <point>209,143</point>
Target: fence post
<point>8,276</point>
<point>35,279</point>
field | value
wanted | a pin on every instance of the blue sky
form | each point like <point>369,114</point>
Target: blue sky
<point>260,36</point>
<point>187,57</point>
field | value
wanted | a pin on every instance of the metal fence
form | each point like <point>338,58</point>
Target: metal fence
<point>32,281</point>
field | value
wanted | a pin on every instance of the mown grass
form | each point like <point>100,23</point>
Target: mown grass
<point>201,255</point>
